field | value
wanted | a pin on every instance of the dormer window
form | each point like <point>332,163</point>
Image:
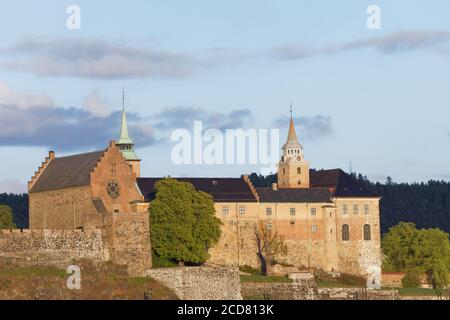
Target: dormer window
<point>215,183</point>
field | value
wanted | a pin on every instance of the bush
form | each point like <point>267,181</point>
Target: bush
<point>411,280</point>
<point>248,269</point>
<point>159,262</point>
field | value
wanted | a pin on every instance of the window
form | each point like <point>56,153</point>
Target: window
<point>299,170</point>
<point>284,171</point>
<point>269,225</point>
<point>299,182</point>
<point>313,211</point>
<point>366,209</point>
<point>355,209</point>
<point>225,210</point>
<point>345,232</point>
<point>241,209</point>
<point>313,228</point>
<point>113,168</point>
<point>215,183</point>
<point>366,232</point>
<point>344,209</point>
<point>269,211</point>
<point>292,211</point>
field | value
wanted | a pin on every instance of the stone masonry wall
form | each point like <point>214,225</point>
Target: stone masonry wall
<point>200,283</point>
<point>127,238</point>
<point>54,247</point>
<point>357,294</point>
<point>303,287</point>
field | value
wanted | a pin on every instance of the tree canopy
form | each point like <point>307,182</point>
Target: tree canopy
<point>6,218</point>
<point>411,250</point>
<point>183,224</point>
<point>19,205</point>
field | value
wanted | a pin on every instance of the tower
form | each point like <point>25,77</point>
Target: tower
<point>293,169</point>
<point>126,145</point>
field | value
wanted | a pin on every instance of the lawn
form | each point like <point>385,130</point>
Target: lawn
<point>417,292</point>
<point>265,279</point>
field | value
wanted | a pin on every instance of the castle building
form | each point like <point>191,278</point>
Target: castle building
<point>328,220</point>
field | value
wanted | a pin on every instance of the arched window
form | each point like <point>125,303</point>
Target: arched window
<point>366,232</point>
<point>299,170</point>
<point>284,171</point>
<point>345,232</point>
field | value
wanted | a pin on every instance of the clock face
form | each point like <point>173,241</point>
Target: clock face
<point>113,189</point>
<point>299,158</point>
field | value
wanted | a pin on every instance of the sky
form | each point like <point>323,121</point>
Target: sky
<point>378,99</point>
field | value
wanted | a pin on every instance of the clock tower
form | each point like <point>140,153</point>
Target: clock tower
<point>293,169</point>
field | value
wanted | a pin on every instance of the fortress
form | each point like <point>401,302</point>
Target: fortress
<point>95,206</point>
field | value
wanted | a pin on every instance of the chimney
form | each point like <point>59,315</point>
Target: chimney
<point>274,186</point>
<point>51,154</point>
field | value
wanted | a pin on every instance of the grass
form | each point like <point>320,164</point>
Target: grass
<point>33,271</point>
<point>98,282</point>
<point>265,279</point>
<point>414,292</point>
<point>336,284</point>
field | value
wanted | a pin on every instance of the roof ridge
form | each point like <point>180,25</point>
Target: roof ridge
<point>80,154</point>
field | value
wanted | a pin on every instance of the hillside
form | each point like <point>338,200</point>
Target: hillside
<point>49,283</point>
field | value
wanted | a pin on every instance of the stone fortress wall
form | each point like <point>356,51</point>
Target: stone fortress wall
<point>124,240</point>
<point>200,283</point>
<point>54,247</point>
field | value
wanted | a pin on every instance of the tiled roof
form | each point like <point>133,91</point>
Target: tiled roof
<point>221,189</point>
<point>341,184</point>
<point>294,195</point>
<point>71,171</point>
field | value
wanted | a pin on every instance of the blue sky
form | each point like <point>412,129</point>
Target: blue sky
<point>376,98</point>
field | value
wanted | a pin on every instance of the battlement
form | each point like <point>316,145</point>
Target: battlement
<point>45,232</point>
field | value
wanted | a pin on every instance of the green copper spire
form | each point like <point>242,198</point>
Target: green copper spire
<point>125,143</point>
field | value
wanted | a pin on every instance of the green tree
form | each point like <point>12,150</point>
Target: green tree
<point>6,218</point>
<point>424,251</point>
<point>183,225</point>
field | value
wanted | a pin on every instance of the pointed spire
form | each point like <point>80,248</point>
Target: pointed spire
<point>124,137</point>
<point>292,136</point>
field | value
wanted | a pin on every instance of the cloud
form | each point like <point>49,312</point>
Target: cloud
<point>311,128</point>
<point>26,121</point>
<point>396,42</point>
<point>12,186</point>
<point>94,58</point>
<point>95,104</point>
<point>23,100</point>
<point>184,117</point>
